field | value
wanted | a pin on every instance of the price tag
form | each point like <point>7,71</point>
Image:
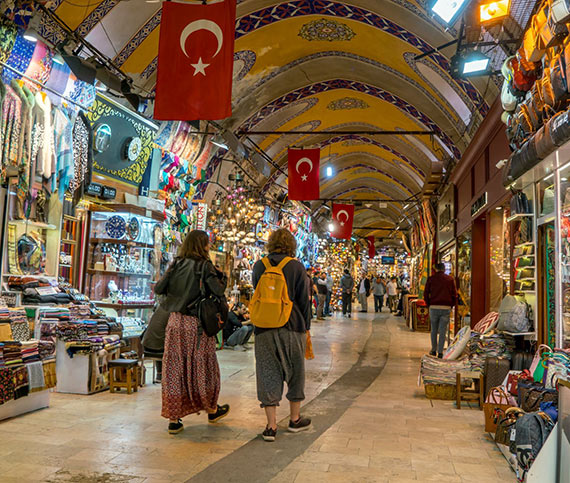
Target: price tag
<point>46,291</point>
<point>513,434</point>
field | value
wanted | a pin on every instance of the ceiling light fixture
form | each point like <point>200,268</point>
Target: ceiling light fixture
<point>331,227</point>
<point>217,140</point>
<point>470,65</point>
<point>448,10</point>
<point>329,171</point>
<point>494,11</point>
<point>31,33</point>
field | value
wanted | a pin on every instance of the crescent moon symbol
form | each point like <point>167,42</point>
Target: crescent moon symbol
<point>342,212</point>
<point>202,25</point>
<point>304,160</point>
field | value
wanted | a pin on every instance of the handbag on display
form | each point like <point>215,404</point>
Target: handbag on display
<point>560,128</point>
<point>513,380</point>
<point>522,80</point>
<point>558,81</point>
<point>547,91</point>
<point>560,11</point>
<point>536,368</point>
<point>508,100</point>
<point>530,395</point>
<point>532,43</point>
<point>523,160</point>
<point>521,361</point>
<point>506,426</point>
<point>531,432</point>
<point>495,370</point>
<point>494,407</point>
<point>551,33</point>
<point>543,142</point>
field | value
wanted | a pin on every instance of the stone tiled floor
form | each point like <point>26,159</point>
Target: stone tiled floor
<point>391,432</point>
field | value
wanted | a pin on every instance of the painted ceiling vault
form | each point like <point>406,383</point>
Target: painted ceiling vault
<point>323,65</point>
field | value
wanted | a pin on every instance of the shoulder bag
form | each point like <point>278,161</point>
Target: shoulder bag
<point>212,310</point>
<point>495,405</point>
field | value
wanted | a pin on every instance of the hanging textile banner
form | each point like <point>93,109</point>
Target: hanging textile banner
<point>201,216</point>
<point>371,247</point>
<point>343,216</point>
<point>195,61</point>
<point>303,181</point>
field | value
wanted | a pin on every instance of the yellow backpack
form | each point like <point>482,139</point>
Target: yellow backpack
<point>270,306</point>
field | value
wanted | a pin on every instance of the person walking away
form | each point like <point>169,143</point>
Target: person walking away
<point>378,290</point>
<point>322,295</point>
<point>191,374</point>
<point>346,285</point>
<point>392,289</point>
<point>280,345</point>
<point>364,293</point>
<point>237,330</point>
<point>330,284</point>
<point>440,295</point>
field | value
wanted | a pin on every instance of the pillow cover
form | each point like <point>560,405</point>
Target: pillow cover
<point>487,323</point>
<point>458,345</point>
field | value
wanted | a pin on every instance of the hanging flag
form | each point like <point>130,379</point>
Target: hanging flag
<point>371,247</point>
<point>343,216</point>
<point>303,179</point>
<point>195,61</point>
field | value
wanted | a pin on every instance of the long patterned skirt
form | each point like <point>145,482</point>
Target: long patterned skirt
<point>190,373</point>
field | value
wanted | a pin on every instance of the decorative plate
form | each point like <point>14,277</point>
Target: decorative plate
<point>116,227</point>
<point>133,228</point>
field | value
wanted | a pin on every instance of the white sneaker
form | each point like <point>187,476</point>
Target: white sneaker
<point>239,348</point>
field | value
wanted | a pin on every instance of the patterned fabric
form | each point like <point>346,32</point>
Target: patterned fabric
<point>6,385</point>
<point>19,59</point>
<point>50,377</point>
<point>57,81</point>
<point>191,375</point>
<point>82,153</point>
<point>21,385</point>
<point>64,149</point>
<point>20,330</point>
<point>487,323</point>
<point>8,34</point>
<point>11,127</point>
<point>40,65</point>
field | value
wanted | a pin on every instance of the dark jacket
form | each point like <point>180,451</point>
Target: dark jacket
<point>346,283</point>
<point>180,285</point>
<point>234,323</point>
<point>366,286</point>
<point>155,332</point>
<point>440,290</point>
<point>298,286</point>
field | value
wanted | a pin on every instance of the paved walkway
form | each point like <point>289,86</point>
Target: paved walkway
<point>371,423</point>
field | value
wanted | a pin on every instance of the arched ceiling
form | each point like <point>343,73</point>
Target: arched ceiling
<point>323,65</point>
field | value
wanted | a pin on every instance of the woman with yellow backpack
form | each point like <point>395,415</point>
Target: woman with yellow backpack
<point>281,314</point>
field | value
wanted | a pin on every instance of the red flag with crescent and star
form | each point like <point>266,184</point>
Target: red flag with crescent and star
<point>303,181</point>
<point>371,247</point>
<point>343,216</point>
<point>195,61</point>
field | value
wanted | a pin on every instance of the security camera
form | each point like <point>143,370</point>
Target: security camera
<point>501,163</point>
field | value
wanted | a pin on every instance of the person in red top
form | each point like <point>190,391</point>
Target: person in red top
<point>440,295</point>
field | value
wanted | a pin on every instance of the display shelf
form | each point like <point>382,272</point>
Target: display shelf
<point>36,224</point>
<point>93,271</point>
<point>111,305</point>
<point>518,216</point>
<point>517,333</point>
<point>68,242</point>
<point>121,242</point>
<point>31,275</point>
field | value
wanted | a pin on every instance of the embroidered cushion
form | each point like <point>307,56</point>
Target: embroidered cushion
<point>458,345</point>
<point>487,323</point>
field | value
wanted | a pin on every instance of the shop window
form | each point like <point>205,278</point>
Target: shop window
<point>499,256</point>
<point>464,279</point>
<point>564,259</point>
<point>545,194</point>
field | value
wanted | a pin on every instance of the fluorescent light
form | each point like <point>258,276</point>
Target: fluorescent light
<point>447,10</point>
<point>329,171</point>
<point>58,59</point>
<point>406,206</point>
<point>548,177</point>
<point>331,227</point>
<point>563,179</point>
<point>499,208</point>
<point>30,36</point>
<point>475,65</point>
<point>218,141</point>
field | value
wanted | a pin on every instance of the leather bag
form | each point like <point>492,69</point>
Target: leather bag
<point>495,370</point>
<point>531,394</point>
<point>560,128</point>
<point>506,426</point>
<point>494,407</point>
<point>521,80</point>
<point>560,11</point>
<point>513,380</point>
<point>527,67</point>
<point>544,144</point>
<point>532,43</point>
<point>551,33</point>
<point>547,90</point>
<point>558,82</point>
<point>523,160</point>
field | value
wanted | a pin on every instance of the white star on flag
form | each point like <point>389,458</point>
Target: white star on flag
<point>200,67</point>
<point>342,223</point>
<point>304,177</point>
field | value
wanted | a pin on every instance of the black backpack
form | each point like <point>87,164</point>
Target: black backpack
<point>212,311</point>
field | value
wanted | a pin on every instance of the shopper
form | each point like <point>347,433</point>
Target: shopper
<point>392,289</point>
<point>280,352</point>
<point>237,330</point>
<point>191,375</point>
<point>153,339</point>
<point>346,286</point>
<point>322,295</point>
<point>440,295</point>
<point>364,292</point>
<point>378,290</point>
<point>330,284</point>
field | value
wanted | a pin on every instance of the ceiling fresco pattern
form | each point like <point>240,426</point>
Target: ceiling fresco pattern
<point>322,65</point>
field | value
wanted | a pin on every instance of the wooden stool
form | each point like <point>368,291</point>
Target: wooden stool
<point>129,368</point>
<point>475,394</point>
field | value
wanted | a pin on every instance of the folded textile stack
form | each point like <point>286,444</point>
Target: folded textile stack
<point>30,351</point>
<point>82,347</point>
<point>46,349</point>
<point>70,331</point>
<point>90,326</point>
<point>6,385</point>
<point>103,327</point>
<point>12,352</point>
<point>2,354</point>
<point>60,313</point>
<point>31,297</point>
<point>4,313</point>
<point>496,345</point>
<point>79,311</point>
<point>23,283</point>
<point>111,342</point>
<point>443,371</point>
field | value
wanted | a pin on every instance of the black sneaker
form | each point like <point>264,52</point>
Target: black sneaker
<point>301,424</point>
<point>432,353</point>
<point>269,434</point>
<point>222,412</point>
<point>175,428</point>
<point>440,356</point>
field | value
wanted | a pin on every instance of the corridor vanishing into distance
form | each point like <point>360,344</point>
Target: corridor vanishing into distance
<point>371,423</point>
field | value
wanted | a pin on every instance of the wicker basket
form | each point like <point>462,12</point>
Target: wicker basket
<point>447,392</point>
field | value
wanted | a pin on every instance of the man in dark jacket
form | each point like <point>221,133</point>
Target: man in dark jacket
<point>280,352</point>
<point>364,292</point>
<point>237,330</point>
<point>346,285</point>
<point>440,296</point>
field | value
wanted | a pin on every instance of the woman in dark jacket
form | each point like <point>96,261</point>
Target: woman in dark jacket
<point>191,375</point>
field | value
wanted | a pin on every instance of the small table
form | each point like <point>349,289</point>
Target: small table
<point>476,394</point>
<point>123,373</point>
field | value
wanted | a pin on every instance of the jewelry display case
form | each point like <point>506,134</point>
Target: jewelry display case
<point>124,247</point>
<point>32,231</point>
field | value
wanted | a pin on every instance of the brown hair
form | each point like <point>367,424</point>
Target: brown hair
<point>282,241</point>
<point>195,245</point>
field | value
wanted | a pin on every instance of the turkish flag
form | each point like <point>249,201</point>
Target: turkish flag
<point>371,247</point>
<point>195,61</point>
<point>343,217</point>
<point>303,181</point>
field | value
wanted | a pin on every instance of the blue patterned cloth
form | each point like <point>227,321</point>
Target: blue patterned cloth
<point>19,59</point>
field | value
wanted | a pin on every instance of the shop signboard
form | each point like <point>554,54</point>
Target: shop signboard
<point>201,216</point>
<point>479,204</point>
